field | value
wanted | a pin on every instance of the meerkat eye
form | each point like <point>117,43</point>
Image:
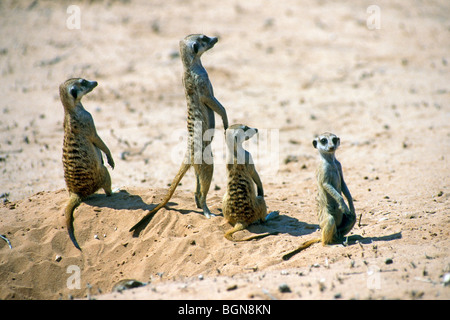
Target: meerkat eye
<point>324,141</point>
<point>83,82</point>
<point>335,140</point>
<point>195,47</point>
<point>74,92</point>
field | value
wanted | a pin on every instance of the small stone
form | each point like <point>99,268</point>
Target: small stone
<point>127,284</point>
<point>446,279</point>
<point>232,287</point>
<point>388,261</point>
<point>283,288</point>
<point>58,258</point>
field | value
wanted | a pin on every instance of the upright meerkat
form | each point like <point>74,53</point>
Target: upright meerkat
<point>242,204</point>
<point>335,217</point>
<point>201,105</point>
<point>84,171</point>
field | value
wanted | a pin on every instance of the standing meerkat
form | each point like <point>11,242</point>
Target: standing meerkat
<point>242,204</point>
<point>335,217</point>
<point>84,172</point>
<point>201,105</point>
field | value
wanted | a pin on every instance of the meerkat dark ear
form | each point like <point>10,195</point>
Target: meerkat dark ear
<point>195,47</point>
<point>336,140</point>
<point>73,92</point>
<point>314,143</point>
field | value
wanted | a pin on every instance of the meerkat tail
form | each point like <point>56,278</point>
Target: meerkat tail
<point>74,201</point>
<point>183,169</point>
<point>238,227</point>
<point>305,245</point>
<point>258,236</point>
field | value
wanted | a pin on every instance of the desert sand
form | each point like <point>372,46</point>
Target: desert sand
<point>377,76</point>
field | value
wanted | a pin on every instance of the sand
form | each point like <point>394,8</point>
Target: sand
<point>291,69</point>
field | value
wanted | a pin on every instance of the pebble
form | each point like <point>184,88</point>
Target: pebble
<point>127,284</point>
<point>388,261</point>
<point>232,287</point>
<point>58,258</point>
<point>446,279</point>
<point>283,288</point>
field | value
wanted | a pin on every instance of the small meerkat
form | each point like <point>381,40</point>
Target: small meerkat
<point>84,172</point>
<point>201,105</point>
<point>242,204</point>
<point>336,219</point>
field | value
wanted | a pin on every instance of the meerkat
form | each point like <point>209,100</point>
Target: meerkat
<point>201,105</point>
<point>336,219</point>
<point>84,172</point>
<point>242,204</point>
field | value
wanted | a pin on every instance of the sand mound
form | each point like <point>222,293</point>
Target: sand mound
<point>183,255</point>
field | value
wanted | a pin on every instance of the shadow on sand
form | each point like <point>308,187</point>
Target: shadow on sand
<point>123,200</point>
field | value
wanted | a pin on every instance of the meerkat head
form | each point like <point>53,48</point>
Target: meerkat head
<point>235,136</point>
<point>194,45</point>
<point>238,133</point>
<point>72,90</point>
<point>326,142</point>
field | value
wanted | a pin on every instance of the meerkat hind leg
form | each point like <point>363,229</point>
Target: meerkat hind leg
<point>347,223</point>
<point>106,182</point>
<point>197,193</point>
<point>204,173</point>
<point>327,224</point>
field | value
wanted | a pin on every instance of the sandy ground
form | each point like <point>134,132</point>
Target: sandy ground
<point>293,69</point>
